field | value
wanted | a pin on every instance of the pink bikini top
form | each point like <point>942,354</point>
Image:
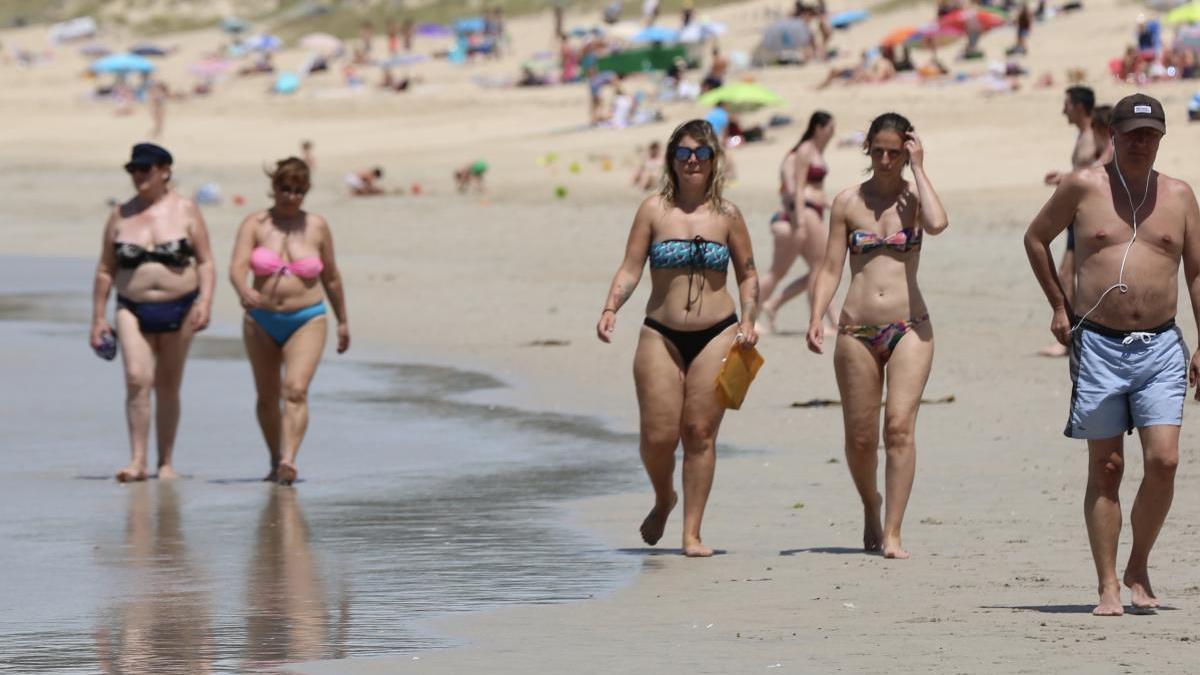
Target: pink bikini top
<point>266,262</point>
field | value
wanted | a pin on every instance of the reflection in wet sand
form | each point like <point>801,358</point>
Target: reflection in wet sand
<point>286,618</point>
<point>165,625</point>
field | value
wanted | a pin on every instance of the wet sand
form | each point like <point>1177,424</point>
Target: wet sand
<point>413,503</point>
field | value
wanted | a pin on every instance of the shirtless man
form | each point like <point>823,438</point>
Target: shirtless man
<point>1129,363</point>
<point>1078,104</point>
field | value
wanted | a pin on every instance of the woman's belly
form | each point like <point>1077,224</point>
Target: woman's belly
<point>155,282</point>
<point>288,293</point>
<point>670,295</point>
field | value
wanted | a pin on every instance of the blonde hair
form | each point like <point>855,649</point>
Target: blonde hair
<point>701,132</point>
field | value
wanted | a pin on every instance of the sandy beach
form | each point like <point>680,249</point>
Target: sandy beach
<point>1001,578</point>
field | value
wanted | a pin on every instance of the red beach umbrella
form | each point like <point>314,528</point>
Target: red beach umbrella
<point>960,18</point>
<point>898,36</point>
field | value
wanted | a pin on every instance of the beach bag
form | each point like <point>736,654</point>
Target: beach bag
<point>737,372</point>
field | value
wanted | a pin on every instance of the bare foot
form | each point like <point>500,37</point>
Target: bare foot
<point>768,313</point>
<point>1138,581</point>
<point>872,529</point>
<point>1110,601</point>
<point>694,549</point>
<point>286,473</point>
<point>131,474</point>
<point>656,521</point>
<point>1054,350</point>
<point>165,472</point>
<point>892,549</point>
<point>272,477</point>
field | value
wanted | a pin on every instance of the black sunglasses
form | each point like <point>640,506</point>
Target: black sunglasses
<point>299,192</point>
<point>702,153</point>
<point>137,168</point>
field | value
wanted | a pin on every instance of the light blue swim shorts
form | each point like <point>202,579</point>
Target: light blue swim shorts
<point>1126,379</point>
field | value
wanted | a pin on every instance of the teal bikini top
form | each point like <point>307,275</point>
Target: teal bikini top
<point>689,253</point>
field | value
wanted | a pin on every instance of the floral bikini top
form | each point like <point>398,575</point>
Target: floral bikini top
<point>901,241</point>
<point>690,253</point>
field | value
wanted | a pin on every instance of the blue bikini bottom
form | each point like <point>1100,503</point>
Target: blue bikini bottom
<point>160,317</point>
<point>281,325</point>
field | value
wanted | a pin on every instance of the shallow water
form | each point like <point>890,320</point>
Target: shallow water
<point>413,503</point>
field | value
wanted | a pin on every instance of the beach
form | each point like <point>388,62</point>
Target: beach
<point>509,284</point>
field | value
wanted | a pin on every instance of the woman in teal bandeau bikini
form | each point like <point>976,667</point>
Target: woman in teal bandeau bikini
<point>884,332</point>
<point>689,234</point>
<point>290,252</point>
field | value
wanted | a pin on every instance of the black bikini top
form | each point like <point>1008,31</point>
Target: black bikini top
<point>172,254</point>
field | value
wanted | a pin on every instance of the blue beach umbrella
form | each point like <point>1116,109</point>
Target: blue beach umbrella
<point>475,24</point>
<point>262,43</point>
<point>848,18</point>
<point>122,63</point>
<point>655,34</point>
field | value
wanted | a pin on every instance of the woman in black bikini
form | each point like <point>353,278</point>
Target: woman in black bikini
<point>689,233</point>
<point>798,227</point>
<point>884,328</point>
<point>156,252</point>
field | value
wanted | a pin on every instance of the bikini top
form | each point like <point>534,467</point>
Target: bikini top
<point>266,262</point>
<point>172,253</point>
<point>690,253</point>
<point>817,173</point>
<point>901,241</point>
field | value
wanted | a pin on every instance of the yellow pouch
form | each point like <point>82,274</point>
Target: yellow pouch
<point>737,372</point>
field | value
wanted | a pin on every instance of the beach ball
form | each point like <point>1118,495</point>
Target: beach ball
<point>551,157</point>
<point>560,191</point>
<point>574,168</point>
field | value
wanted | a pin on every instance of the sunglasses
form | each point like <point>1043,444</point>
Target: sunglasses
<point>137,168</point>
<point>890,152</point>
<point>299,192</point>
<point>702,153</point>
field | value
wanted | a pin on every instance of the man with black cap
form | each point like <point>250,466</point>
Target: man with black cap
<point>1129,363</point>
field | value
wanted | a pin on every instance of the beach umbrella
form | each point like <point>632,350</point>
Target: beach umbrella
<point>655,34</point>
<point>934,35</point>
<point>433,30</point>
<point>474,24</point>
<point>210,67</point>
<point>262,43</point>
<point>147,49</point>
<point>960,19</point>
<point>848,18</point>
<point>1189,13</point>
<point>322,43</point>
<point>122,63</point>
<point>232,24</point>
<point>898,36</point>
<point>741,96</point>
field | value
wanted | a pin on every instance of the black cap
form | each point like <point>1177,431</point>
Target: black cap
<point>1137,111</point>
<point>149,154</point>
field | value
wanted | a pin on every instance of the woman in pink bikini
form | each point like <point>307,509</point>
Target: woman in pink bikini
<point>290,252</point>
<point>798,228</point>
<point>884,332</point>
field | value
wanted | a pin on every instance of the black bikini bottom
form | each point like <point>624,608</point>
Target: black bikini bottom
<point>691,342</point>
<point>160,317</point>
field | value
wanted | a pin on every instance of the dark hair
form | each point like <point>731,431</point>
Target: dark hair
<point>290,171</point>
<point>378,171</point>
<point>819,118</point>
<point>1102,116</point>
<point>887,122</point>
<point>1084,96</point>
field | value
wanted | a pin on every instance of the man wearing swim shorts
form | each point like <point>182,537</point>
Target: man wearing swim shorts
<point>1129,363</point>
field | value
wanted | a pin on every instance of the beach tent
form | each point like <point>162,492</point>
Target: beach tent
<point>655,34</point>
<point>740,96</point>
<point>322,43</point>
<point>147,49</point>
<point>848,18</point>
<point>122,63</point>
<point>782,42</point>
<point>262,43</point>
<point>75,29</point>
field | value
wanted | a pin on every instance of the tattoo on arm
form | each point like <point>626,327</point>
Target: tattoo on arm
<point>750,263</point>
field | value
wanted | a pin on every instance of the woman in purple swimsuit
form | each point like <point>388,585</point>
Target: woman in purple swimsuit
<point>689,233</point>
<point>156,252</point>
<point>884,332</point>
